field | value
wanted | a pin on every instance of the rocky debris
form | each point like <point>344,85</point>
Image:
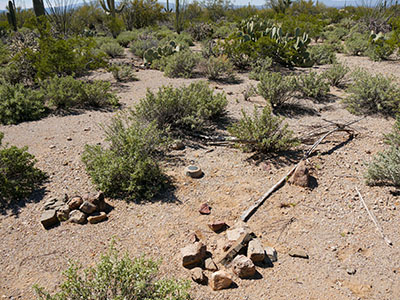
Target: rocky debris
<point>78,217</point>
<point>193,171</point>
<point>271,254</point>
<point>300,253</point>
<point>49,218</point>
<point>217,226</point>
<point>241,243</point>
<point>198,276</point>
<point>301,176</point>
<point>205,209</point>
<point>210,265</point>
<point>256,251</point>
<point>193,255</point>
<point>53,203</point>
<point>234,233</point>
<point>97,217</point>
<point>220,280</point>
<point>87,207</point>
<point>63,213</point>
<point>96,199</point>
<point>75,202</point>
<point>243,267</point>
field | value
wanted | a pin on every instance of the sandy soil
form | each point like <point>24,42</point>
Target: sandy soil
<point>327,221</point>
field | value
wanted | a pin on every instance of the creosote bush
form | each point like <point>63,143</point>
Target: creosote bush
<point>180,64</point>
<point>263,132</point>
<point>117,277</point>
<point>18,175</point>
<point>336,74</point>
<point>322,54</point>
<point>259,67</point>
<point>372,94</point>
<point>123,73</point>
<point>276,88</point>
<point>112,49</point>
<point>217,68</point>
<point>312,85</point>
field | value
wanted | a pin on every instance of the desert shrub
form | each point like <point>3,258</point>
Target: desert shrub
<point>189,108</point>
<point>217,68</point>
<point>67,92</point>
<point>19,103</point>
<point>200,32</point>
<point>181,64</point>
<point>263,132</point>
<point>101,40</point>
<point>4,54</point>
<point>112,49</point>
<point>117,277</point>
<point>142,13</point>
<point>336,74</point>
<point>371,94</point>
<point>127,168</point>
<point>123,73</point>
<point>276,88</point>
<point>224,31</point>
<point>380,47</point>
<point>357,43</point>
<point>125,37</point>
<point>18,175</point>
<point>139,46</point>
<point>385,166</point>
<point>259,67</point>
<point>322,54</point>
<point>312,85</point>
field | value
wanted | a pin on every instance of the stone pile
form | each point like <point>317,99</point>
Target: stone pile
<point>89,208</point>
<point>238,253</point>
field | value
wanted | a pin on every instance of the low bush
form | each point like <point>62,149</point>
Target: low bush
<point>18,175</point>
<point>181,64</point>
<point>322,54</point>
<point>123,73</point>
<point>336,74</point>
<point>19,103</point>
<point>276,88</point>
<point>112,49</point>
<point>200,32</point>
<point>139,46</point>
<point>371,94</point>
<point>357,43</point>
<point>259,67</point>
<point>124,38</point>
<point>217,68</point>
<point>312,85</point>
<point>117,277</point>
<point>263,132</point>
<point>186,109</point>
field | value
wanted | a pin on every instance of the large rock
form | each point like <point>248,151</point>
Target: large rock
<point>63,213</point>
<point>49,218</point>
<point>243,267</point>
<point>198,276</point>
<point>193,254</point>
<point>96,199</point>
<point>75,202</point>
<point>76,216</point>
<point>235,233</point>
<point>256,251</point>
<point>87,207</point>
<point>97,217</point>
<point>301,176</point>
<point>220,280</point>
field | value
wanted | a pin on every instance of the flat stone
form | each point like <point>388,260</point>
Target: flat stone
<point>87,207</point>
<point>243,267</point>
<point>49,203</point>
<point>210,265</point>
<point>75,202</point>
<point>300,253</point>
<point>205,209</point>
<point>198,276</point>
<point>193,254</point>
<point>220,280</point>
<point>256,251</point>
<point>301,176</point>
<point>217,226</point>
<point>76,216</point>
<point>63,213</point>
<point>49,218</point>
<point>234,233</point>
<point>193,171</point>
<point>97,217</point>
<point>271,254</point>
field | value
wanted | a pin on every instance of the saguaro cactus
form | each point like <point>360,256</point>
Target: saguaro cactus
<point>110,8</point>
<point>12,19</point>
<point>177,19</point>
<point>38,8</point>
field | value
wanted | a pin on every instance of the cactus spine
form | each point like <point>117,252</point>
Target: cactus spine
<point>110,8</point>
<point>38,8</point>
<point>12,20</point>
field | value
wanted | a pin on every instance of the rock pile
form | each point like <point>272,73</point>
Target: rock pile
<point>238,253</point>
<point>89,208</point>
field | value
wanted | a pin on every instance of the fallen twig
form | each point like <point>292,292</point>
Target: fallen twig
<point>373,218</point>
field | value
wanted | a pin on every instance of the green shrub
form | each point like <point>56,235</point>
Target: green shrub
<point>124,38</point>
<point>123,73</point>
<point>116,277</point>
<point>188,108</point>
<point>322,54</point>
<point>139,47</point>
<point>217,68</point>
<point>276,88</point>
<point>201,31</point>
<point>181,64</point>
<point>67,92</point>
<point>312,85</point>
<point>18,175</point>
<point>127,168</point>
<point>380,47</point>
<point>112,49</point>
<point>19,103</point>
<point>4,54</point>
<point>259,67</point>
<point>336,74</point>
<point>371,94</point>
<point>385,166</point>
<point>357,43</point>
<point>263,132</point>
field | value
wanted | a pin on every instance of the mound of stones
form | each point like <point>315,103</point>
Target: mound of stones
<point>80,210</point>
<point>238,253</point>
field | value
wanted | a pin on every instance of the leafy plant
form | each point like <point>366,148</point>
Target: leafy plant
<point>112,49</point>
<point>18,175</point>
<point>357,43</point>
<point>312,85</point>
<point>123,73</point>
<point>181,64</point>
<point>322,54</point>
<point>117,277</point>
<point>259,67</point>
<point>139,46</point>
<point>125,37</point>
<point>263,132</point>
<point>142,13</point>
<point>218,68</point>
<point>336,74</point>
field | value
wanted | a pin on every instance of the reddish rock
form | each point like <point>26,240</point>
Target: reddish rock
<point>75,202</point>
<point>193,238</point>
<point>301,176</point>
<point>256,251</point>
<point>210,265</point>
<point>218,226</point>
<point>205,209</point>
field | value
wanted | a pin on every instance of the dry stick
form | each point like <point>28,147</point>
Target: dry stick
<point>252,209</point>
<point>373,218</point>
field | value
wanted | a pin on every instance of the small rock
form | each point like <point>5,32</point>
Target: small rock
<point>351,271</point>
<point>235,233</point>
<point>193,238</point>
<point>49,218</point>
<point>298,253</point>
<point>97,217</point>
<point>63,213</point>
<point>205,209</point>
<point>230,93</point>
<point>76,216</point>
<point>193,254</point>
<point>256,251</point>
<point>86,129</point>
<point>271,254</point>
<point>243,267</point>
<point>236,247</point>
<point>220,280</point>
<point>52,146</point>
<point>198,276</point>
<point>301,176</point>
<point>69,138</point>
<point>193,171</point>
<point>217,226</point>
<point>88,207</point>
<point>75,202</point>
<point>210,265</point>
<point>178,145</point>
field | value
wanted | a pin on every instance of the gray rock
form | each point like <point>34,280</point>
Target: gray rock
<point>256,251</point>
<point>193,254</point>
<point>210,265</point>
<point>53,204</point>
<point>271,254</point>
<point>87,207</point>
<point>76,216</point>
<point>198,276</point>
<point>220,280</point>
<point>75,202</point>
<point>97,217</point>
<point>235,233</point>
<point>300,253</point>
<point>63,213</point>
<point>243,267</point>
<point>96,199</point>
<point>49,218</point>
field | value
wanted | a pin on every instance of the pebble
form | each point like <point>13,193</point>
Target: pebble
<point>351,271</point>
